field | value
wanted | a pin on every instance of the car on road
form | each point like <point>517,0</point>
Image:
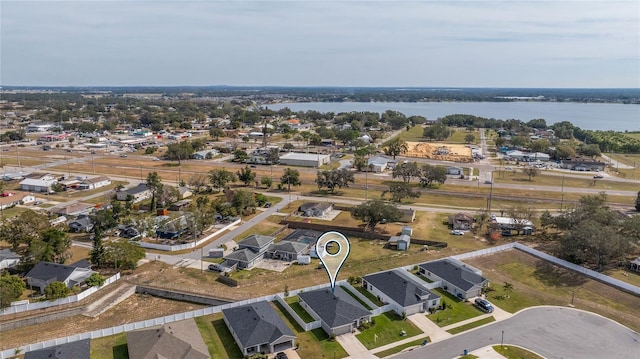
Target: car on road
<point>457,232</point>
<point>598,176</point>
<point>123,155</point>
<point>484,305</point>
<point>156,159</point>
<point>267,205</point>
<point>487,182</point>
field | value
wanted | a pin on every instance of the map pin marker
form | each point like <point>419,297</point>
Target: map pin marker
<point>333,249</point>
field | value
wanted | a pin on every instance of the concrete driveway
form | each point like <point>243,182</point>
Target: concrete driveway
<point>353,346</point>
<point>552,332</point>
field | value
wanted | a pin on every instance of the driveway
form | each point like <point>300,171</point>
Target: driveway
<point>553,332</point>
<point>428,327</point>
<point>353,346</point>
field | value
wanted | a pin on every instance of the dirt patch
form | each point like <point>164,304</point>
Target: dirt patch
<point>440,151</point>
<point>135,308</point>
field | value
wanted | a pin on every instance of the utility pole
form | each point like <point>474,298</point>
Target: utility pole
<point>562,194</point>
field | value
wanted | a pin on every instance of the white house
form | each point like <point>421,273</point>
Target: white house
<point>202,155</point>
<point>139,193</point>
<point>93,183</point>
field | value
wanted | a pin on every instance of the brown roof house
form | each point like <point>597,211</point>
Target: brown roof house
<point>173,340</point>
<point>461,221</point>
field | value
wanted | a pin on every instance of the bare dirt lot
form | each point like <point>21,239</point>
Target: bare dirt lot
<point>440,151</point>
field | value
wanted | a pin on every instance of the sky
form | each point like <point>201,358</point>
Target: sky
<point>550,44</point>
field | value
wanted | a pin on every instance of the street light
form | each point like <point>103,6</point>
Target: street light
<point>502,340</point>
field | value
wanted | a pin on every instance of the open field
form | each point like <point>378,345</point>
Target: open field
<point>537,282</point>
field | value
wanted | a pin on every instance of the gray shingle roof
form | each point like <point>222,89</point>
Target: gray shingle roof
<point>137,189</point>
<point>402,290</point>
<point>243,255</point>
<point>335,310</point>
<point>288,247</point>
<point>80,349</point>
<point>256,324</point>
<point>174,340</point>
<point>453,273</point>
<point>46,271</point>
<point>256,241</point>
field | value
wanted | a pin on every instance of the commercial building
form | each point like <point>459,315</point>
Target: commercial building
<point>304,159</point>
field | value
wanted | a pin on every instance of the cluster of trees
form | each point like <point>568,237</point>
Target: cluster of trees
<point>334,178</point>
<point>375,211</point>
<point>438,131</point>
<point>183,150</point>
<point>427,174</point>
<point>395,147</point>
<point>12,136</point>
<point>592,234</point>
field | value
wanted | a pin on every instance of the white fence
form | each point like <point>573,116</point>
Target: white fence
<point>304,325</point>
<point>71,299</point>
<point>179,247</point>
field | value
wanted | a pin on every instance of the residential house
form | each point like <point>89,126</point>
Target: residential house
<point>338,312</point>
<point>93,183</point>
<point>80,349</point>
<point>173,228</point>
<point>206,154</point>
<point>10,199</point>
<point>581,164</point>
<point>461,221</point>
<point>257,328</point>
<point>75,209</point>
<point>455,277</point>
<point>44,273</point>
<point>138,193</point>
<point>180,205</point>
<point>404,291</point>
<point>180,339</point>
<point>287,251</point>
<point>507,224</point>
<point>314,209</point>
<point>400,242</point>
<point>42,184</point>
<point>517,155</point>
<point>407,215</point>
<point>250,251</point>
<point>378,164</point>
<point>8,259</point>
<point>81,224</point>
<point>454,170</point>
<point>184,192</point>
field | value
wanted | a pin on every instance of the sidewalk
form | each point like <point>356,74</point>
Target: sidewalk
<point>352,345</point>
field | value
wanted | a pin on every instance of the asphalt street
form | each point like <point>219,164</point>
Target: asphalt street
<point>553,332</point>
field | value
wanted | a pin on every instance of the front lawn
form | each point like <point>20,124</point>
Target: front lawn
<point>458,312</point>
<point>111,347</point>
<point>217,337</point>
<point>387,329</point>
<point>511,352</point>
<point>468,326</point>
<point>401,347</point>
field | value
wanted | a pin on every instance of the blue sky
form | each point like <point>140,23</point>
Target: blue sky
<point>321,43</point>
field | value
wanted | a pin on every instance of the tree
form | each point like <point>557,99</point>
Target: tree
<point>154,184</point>
<point>406,170</point>
<point>469,138</point>
<point>53,246</point>
<point>220,178</point>
<point>240,156</point>
<point>401,190</point>
<point>273,156</point>
<point>375,211</point>
<point>25,228</point>
<point>123,253</point>
<point>432,174</point>
<point>56,290</point>
<point>198,182</point>
<point>11,288</point>
<point>564,151</point>
<point>334,178</point>
<point>95,280</point>
<point>360,163</point>
<point>216,133</point>
<point>246,175</point>
<point>638,202</point>
<point>439,132</point>
<point>180,151</point>
<point>267,181</point>
<point>395,147</point>
<point>541,145</point>
<point>291,177</point>
<point>244,202</point>
<point>288,146</point>
<point>507,287</point>
<point>531,172</point>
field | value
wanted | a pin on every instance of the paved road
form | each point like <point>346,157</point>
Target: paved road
<point>553,332</point>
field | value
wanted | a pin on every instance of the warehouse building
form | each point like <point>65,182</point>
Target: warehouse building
<point>304,159</point>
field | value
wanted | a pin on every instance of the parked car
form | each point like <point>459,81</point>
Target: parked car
<point>484,305</point>
<point>598,176</point>
<point>267,205</point>
<point>281,355</point>
<point>123,155</point>
<point>457,232</point>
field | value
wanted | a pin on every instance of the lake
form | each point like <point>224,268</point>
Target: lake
<point>588,116</point>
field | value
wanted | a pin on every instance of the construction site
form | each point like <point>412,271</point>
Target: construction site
<point>440,151</point>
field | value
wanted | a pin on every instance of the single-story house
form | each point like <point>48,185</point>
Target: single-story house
<point>174,228</point>
<point>304,159</point>
<point>378,164</point>
<point>339,313</point>
<point>184,192</point>
<point>180,339</point>
<point>454,170</point>
<point>580,164</point>
<point>80,349</point>
<point>93,183</point>
<point>635,265</point>
<point>42,184</point>
<point>407,215</point>
<point>8,258</point>
<point>287,251</point>
<point>81,224</point>
<point>400,242</point>
<point>461,221</point>
<point>506,224</point>
<point>456,277</point>
<point>44,273</point>
<point>250,251</point>
<point>257,328</point>
<point>138,193</point>
<point>75,209</point>
<point>404,291</point>
<point>314,209</point>
<point>518,155</point>
<point>12,199</point>
<point>206,154</point>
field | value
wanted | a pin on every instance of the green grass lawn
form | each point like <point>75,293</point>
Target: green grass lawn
<point>387,328</point>
<point>312,344</point>
<point>399,348</point>
<point>625,276</point>
<point>111,347</point>
<point>369,296</point>
<point>357,298</point>
<point>510,352</point>
<point>293,303</point>
<point>217,337</point>
<point>460,133</point>
<point>459,311</point>
<point>477,323</point>
<point>413,135</point>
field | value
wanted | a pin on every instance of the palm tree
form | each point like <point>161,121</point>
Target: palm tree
<point>508,288</point>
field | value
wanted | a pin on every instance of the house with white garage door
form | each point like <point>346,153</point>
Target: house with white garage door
<point>404,291</point>
<point>457,278</point>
